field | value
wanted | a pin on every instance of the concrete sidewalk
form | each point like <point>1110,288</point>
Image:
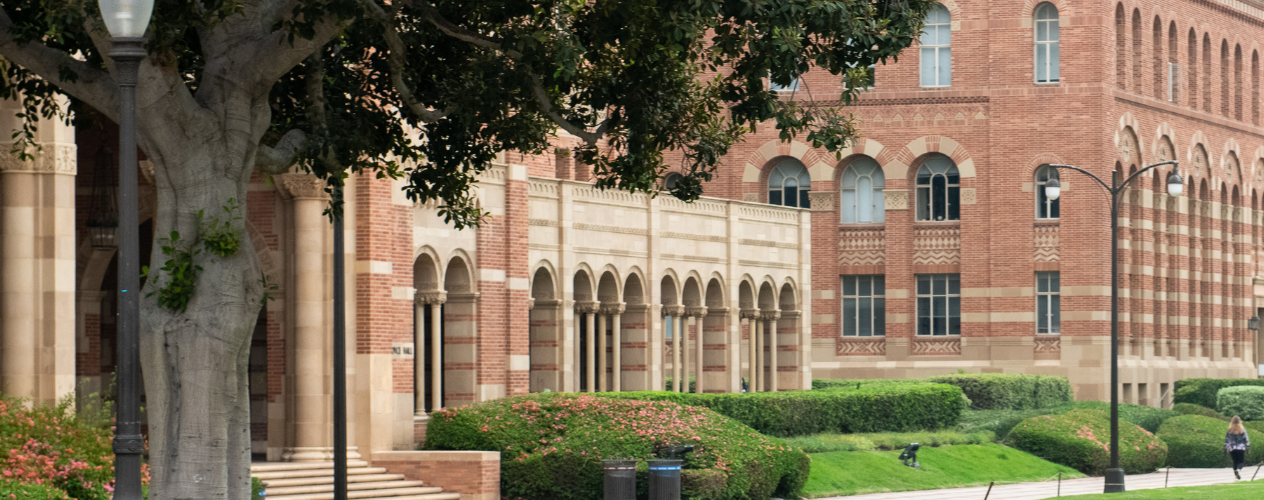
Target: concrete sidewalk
<point>1049,489</point>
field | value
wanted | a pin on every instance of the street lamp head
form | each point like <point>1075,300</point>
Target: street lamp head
<point>126,18</point>
<point>1253,324</point>
<point>1175,184</point>
<point>1053,188</point>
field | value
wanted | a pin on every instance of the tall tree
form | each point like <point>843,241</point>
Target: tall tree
<point>426,90</point>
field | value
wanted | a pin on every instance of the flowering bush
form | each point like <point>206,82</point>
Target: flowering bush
<point>1081,439</point>
<point>551,446</point>
<point>51,446</point>
<point>872,408</point>
<point>10,489</point>
<point>1198,441</point>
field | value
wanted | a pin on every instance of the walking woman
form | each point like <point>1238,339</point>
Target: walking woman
<point>1237,443</point>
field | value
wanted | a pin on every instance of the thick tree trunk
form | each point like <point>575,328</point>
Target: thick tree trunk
<point>195,361</point>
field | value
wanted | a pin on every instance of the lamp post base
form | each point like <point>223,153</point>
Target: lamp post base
<point>1114,481</point>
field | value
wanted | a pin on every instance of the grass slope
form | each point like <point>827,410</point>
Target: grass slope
<point>1245,490</point>
<point>858,472</point>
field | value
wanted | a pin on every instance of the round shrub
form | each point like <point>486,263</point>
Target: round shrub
<point>1193,409</point>
<point>551,446</point>
<point>51,445</point>
<point>1202,391</point>
<point>1080,439</point>
<point>1198,442</point>
<point>1147,417</point>
<point>1246,401</point>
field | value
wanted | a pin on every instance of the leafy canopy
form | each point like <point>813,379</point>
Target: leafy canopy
<point>432,90</point>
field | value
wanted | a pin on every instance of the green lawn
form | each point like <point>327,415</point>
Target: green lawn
<point>1244,490</point>
<point>857,472</point>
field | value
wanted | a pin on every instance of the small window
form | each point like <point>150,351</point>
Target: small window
<point>938,304</point>
<point>1046,43</point>
<point>938,190</point>
<point>788,184</point>
<point>671,179</point>
<point>862,199</point>
<point>1046,208</point>
<point>776,87</point>
<point>936,48</point>
<point>1048,312</point>
<point>864,306</point>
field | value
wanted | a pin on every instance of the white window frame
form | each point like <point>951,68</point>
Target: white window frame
<point>802,177</point>
<point>935,42</point>
<point>926,195</point>
<point>876,321</point>
<point>1048,293</point>
<point>773,86</point>
<point>1048,44</point>
<point>850,207</point>
<point>1050,206</point>
<point>948,310</point>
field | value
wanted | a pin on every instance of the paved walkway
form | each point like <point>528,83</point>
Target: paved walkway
<point>1049,489</point>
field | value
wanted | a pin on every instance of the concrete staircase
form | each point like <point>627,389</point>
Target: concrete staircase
<point>315,481</point>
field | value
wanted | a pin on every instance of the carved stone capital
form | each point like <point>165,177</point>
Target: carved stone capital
<point>613,308</point>
<point>696,311</point>
<point>750,313</point>
<point>587,306</point>
<point>771,315</point>
<point>674,311</point>
<point>301,187</point>
<point>430,298</point>
<point>51,158</point>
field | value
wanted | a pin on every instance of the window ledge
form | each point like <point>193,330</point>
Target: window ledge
<point>1048,222</point>
<point>937,223</point>
<point>861,225</point>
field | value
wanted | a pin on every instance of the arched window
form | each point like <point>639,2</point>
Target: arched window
<point>671,179</point>
<point>1045,208</point>
<point>936,43</point>
<point>1121,44</point>
<point>788,184</point>
<point>862,199</point>
<point>938,190</point>
<point>1046,43</point>
<point>1193,69</point>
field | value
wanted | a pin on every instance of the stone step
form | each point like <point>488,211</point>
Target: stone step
<point>322,488</point>
<point>417,493</point>
<point>288,466</point>
<point>289,474</point>
<point>329,479</point>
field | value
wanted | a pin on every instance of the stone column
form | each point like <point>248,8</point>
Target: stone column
<point>433,300</point>
<point>311,275</point>
<point>675,312</point>
<point>602,380</point>
<point>757,345</point>
<point>771,317</point>
<point>615,311</point>
<point>697,313</point>
<point>589,310</point>
<point>752,319</point>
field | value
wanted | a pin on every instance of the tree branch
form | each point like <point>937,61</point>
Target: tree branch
<point>395,58</point>
<point>92,86</point>
<point>276,160</point>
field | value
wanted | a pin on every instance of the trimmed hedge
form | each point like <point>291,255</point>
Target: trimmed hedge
<point>1080,439</point>
<point>1202,391</point>
<point>987,391</point>
<point>1146,417</point>
<point>551,446</point>
<point>1010,391</point>
<point>1198,442</point>
<point>876,408</point>
<point>1193,409</point>
<point>1246,401</point>
<point>1002,421</point>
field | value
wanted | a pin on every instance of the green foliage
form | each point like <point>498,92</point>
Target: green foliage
<point>1002,421</point>
<point>221,237</point>
<point>1202,391</point>
<point>51,445</point>
<point>856,383</point>
<point>552,445</point>
<point>1010,391</point>
<point>862,472</point>
<point>180,272</point>
<point>256,489</point>
<point>1080,439</point>
<point>268,286</point>
<point>798,413</point>
<point>29,491</point>
<point>1193,409</point>
<point>1146,417</point>
<point>1198,442</point>
<point>998,421</point>
<point>1241,490</point>
<point>822,443</point>
<point>1245,401</point>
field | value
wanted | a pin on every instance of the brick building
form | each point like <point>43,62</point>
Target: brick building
<point>923,249</point>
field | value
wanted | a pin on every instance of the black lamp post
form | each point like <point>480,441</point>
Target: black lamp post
<point>1053,189</point>
<point>126,20</point>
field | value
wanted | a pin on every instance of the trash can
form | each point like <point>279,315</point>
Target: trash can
<point>665,479</point>
<point>620,479</point>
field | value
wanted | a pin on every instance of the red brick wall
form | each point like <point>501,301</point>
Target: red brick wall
<point>473,474</point>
